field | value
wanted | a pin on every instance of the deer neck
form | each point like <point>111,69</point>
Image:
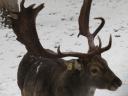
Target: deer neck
<point>76,81</point>
<point>75,85</point>
<point>86,88</point>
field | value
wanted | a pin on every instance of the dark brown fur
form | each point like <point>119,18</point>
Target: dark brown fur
<point>39,76</point>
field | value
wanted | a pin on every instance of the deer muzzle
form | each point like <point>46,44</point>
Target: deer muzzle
<point>116,82</point>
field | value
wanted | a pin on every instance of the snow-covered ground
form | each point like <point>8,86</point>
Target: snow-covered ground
<point>57,25</point>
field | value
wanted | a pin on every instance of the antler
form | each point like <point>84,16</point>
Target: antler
<point>25,29</point>
<point>84,30</point>
<point>84,26</point>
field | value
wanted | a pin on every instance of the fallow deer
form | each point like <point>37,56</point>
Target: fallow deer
<point>43,72</point>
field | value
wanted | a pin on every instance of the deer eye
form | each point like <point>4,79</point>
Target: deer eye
<point>94,71</point>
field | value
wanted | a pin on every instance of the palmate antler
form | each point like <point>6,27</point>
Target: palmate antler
<point>25,29</point>
<point>84,26</point>
<point>84,31</point>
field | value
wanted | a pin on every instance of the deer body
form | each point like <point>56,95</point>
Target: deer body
<point>43,72</point>
<point>46,77</point>
<point>39,76</point>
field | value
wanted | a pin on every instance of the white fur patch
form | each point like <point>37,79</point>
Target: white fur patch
<point>38,68</point>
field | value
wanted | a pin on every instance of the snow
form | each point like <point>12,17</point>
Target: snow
<point>57,25</point>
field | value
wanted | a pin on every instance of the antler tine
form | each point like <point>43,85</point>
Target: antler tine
<point>100,26</point>
<point>37,9</point>
<point>59,54</point>
<point>31,6</point>
<point>99,50</point>
<point>73,54</point>
<point>108,46</point>
<point>22,5</point>
<point>100,43</point>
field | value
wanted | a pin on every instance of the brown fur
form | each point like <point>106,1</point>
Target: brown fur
<point>42,72</point>
<point>39,76</point>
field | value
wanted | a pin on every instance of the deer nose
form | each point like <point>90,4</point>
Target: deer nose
<point>117,81</point>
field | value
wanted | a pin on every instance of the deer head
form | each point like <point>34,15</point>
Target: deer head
<point>94,67</point>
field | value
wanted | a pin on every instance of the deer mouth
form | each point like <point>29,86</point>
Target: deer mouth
<point>115,85</point>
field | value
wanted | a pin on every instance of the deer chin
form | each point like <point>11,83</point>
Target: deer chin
<point>113,87</point>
